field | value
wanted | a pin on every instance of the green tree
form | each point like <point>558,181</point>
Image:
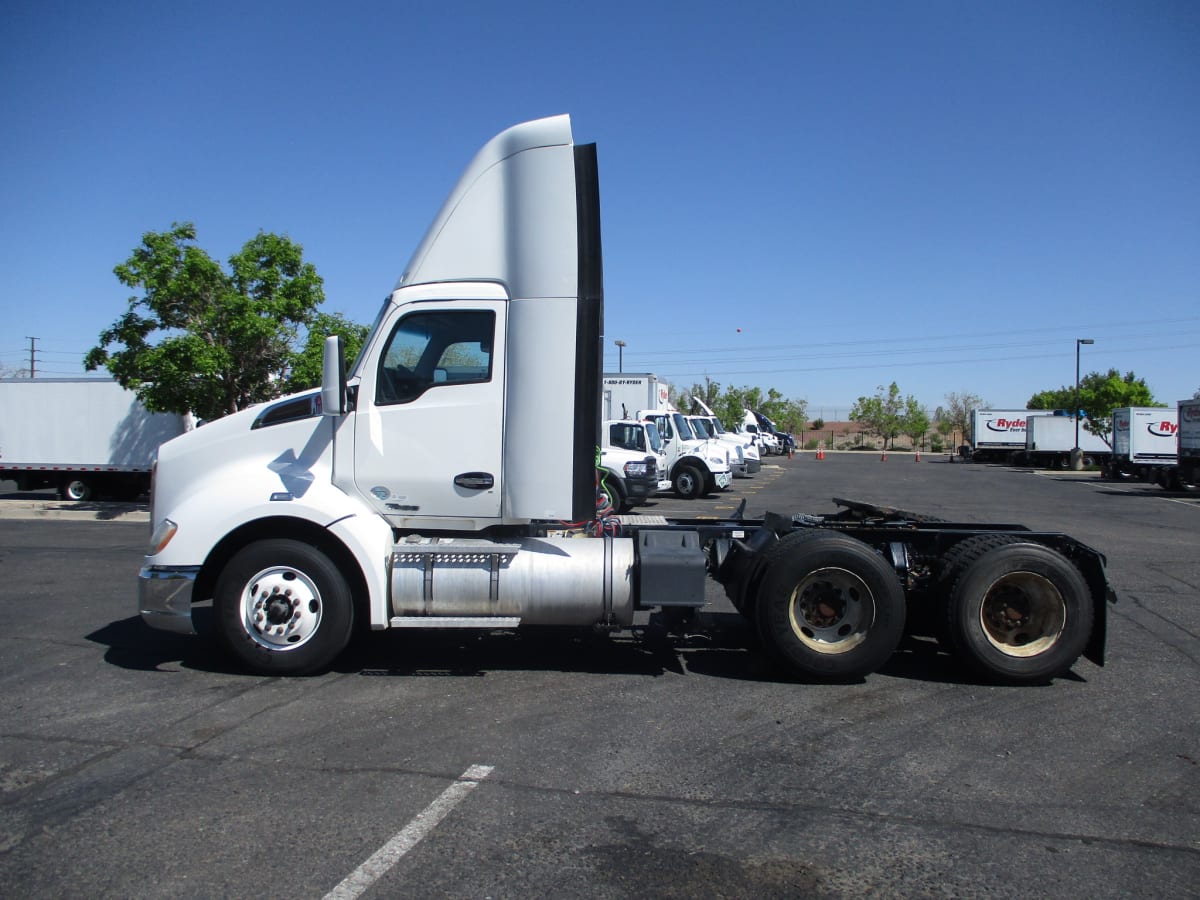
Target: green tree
<point>306,365</point>
<point>1099,394</point>
<point>203,340</point>
<point>880,414</point>
<point>709,393</point>
<point>817,424</point>
<point>914,421</point>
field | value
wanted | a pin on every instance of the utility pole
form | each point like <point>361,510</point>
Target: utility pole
<point>32,351</point>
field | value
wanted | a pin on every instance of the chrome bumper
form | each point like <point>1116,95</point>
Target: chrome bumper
<point>165,597</point>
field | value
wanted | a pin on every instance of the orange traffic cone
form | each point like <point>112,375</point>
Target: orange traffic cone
<point>884,457</point>
<point>820,453</point>
<point>918,456</point>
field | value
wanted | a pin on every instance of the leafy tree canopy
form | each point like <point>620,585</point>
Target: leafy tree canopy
<point>888,415</point>
<point>881,413</point>
<point>200,339</point>
<point>306,369</point>
<point>1099,395</point>
<point>914,420</point>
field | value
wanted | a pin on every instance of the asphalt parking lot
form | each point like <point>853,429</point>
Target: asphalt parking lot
<point>545,764</point>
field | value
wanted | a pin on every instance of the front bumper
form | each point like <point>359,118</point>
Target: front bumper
<point>641,488</point>
<point>165,597</point>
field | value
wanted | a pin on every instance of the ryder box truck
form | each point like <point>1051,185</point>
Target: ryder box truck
<point>304,518</point>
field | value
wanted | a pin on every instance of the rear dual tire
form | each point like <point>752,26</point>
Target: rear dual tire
<point>829,607</point>
<point>1014,611</point>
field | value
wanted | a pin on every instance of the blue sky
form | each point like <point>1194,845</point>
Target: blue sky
<point>816,197</point>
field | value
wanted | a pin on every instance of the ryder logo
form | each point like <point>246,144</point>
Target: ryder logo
<point>1006,425</point>
<point>1162,429</point>
<point>1190,413</point>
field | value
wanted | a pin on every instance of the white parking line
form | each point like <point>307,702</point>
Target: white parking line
<point>409,836</point>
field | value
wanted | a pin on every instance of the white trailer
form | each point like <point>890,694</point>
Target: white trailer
<point>625,394</point>
<point>998,435</point>
<point>84,436</point>
<point>1184,475</point>
<point>1049,441</point>
<point>1143,439</point>
<point>305,517</point>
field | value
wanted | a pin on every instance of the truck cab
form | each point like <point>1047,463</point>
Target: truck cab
<point>632,463</point>
<point>696,466</point>
<point>746,451</point>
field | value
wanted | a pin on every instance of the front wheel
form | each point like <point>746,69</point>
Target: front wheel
<point>830,607</point>
<point>283,608</point>
<point>688,482</point>
<point>1015,612</point>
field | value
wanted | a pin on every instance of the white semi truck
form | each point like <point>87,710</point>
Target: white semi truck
<point>747,452</point>
<point>87,437</point>
<point>303,518</point>
<point>695,465</point>
<point>998,435</point>
<point>1144,440</point>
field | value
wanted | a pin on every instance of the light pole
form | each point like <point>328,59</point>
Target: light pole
<point>1077,454</point>
<point>621,357</point>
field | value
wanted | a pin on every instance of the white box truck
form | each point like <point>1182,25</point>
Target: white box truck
<point>625,394</point>
<point>1143,440</point>
<point>1184,475</point>
<point>87,437</point>
<point>998,435</point>
<point>306,517</point>
<point>1049,441</point>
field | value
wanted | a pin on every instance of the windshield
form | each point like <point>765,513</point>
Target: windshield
<point>664,426</point>
<point>716,425</point>
<point>387,303</point>
<point>655,439</point>
<point>701,427</point>
<point>682,426</point>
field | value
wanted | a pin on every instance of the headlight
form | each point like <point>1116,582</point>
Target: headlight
<point>162,536</point>
<point>635,469</point>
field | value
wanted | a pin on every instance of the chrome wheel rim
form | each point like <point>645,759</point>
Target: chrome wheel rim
<point>281,608</point>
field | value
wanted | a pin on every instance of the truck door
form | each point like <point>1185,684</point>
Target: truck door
<point>428,432</point>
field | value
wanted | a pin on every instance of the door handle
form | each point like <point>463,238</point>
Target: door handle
<point>475,481</point>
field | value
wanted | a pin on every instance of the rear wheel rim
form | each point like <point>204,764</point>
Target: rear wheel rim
<point>831,610</point>
<point>281,608</point>
<point>1022,614</point>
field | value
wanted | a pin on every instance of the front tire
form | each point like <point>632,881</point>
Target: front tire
<point>1015,611</point>
<point>688,482</point>
<point>283,608</point>
<point>829,607</point>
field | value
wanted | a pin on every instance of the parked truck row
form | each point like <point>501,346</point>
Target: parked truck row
<point>309,516</point>
<point>1155,444</point>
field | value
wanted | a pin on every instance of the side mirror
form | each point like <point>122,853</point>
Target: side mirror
<point>333,377</point>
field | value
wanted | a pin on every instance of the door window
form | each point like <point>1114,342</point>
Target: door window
<point>430,349</point>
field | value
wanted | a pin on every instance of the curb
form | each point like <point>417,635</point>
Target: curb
<point>74,512</point>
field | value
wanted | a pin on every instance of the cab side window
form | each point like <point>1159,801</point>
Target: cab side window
<point>430,349</point>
